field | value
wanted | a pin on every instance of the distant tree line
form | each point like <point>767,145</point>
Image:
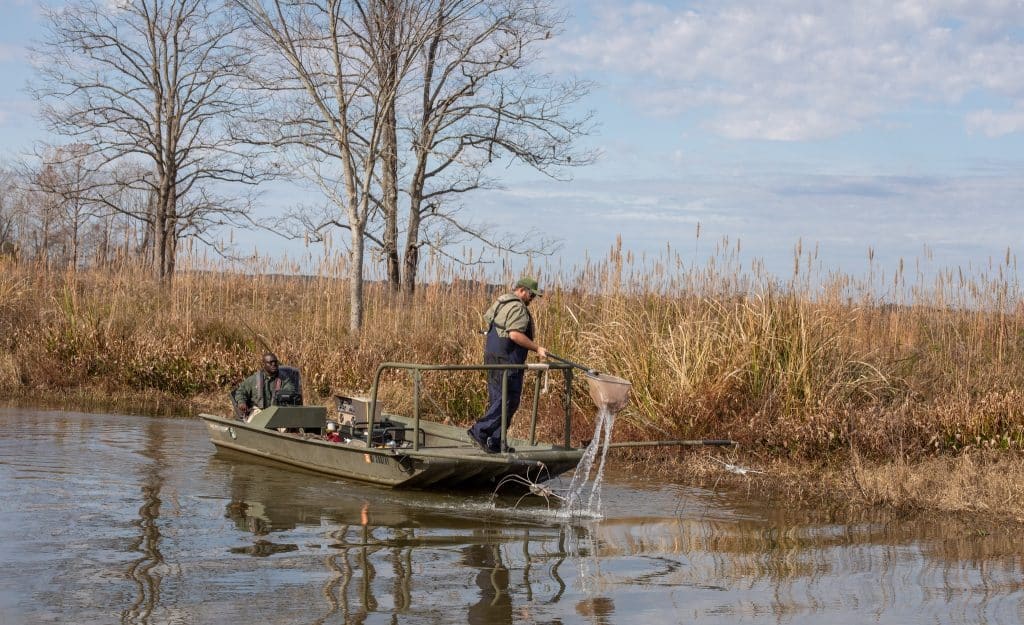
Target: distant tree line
<point>44,219</point>
<point>394,110</point>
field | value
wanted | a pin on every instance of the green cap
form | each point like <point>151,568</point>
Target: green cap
<point>530,285</point>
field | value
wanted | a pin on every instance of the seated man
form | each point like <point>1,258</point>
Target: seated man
<point>268,386</point>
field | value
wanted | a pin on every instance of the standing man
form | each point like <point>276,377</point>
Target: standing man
<point>259,389</point>
<point>509,340</point>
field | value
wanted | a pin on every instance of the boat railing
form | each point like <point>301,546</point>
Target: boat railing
<point>417,378</point>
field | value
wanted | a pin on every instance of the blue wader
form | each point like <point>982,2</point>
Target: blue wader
<point>500,351</point>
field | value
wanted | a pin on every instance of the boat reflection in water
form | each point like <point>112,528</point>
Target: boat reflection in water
<point>399,552</point>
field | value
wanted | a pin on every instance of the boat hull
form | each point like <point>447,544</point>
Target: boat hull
<point>452,462</point>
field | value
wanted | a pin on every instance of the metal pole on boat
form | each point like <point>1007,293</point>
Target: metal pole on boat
<point>504,409</point>
<point>536,404</point>
<point>416,378</point>
<point>373,404</point>
<point>234,406</point>
<point>567,405</point>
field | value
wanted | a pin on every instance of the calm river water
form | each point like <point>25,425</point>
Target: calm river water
<point>128,519</point>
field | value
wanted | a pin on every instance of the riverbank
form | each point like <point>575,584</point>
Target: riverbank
<point>799,373</point>
<point>984,489</point>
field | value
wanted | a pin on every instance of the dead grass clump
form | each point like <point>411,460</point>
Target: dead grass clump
<point>979,481</point>
<point>981,485</point>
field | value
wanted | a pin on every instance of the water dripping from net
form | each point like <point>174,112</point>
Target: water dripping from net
<point>583,499</point>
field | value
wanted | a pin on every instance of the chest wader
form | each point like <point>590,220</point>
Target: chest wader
<point>501,351</point>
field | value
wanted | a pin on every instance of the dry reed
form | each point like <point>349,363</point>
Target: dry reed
<point>809,367</point>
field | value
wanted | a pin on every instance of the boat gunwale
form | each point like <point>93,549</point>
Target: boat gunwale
<point>524,456</point>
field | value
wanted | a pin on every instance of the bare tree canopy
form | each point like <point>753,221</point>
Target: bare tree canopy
<point>475,100</point>
<point>61,185</point>
<point>325,105</point>
<point>12,210</point>
<point>375,101</point>
<point>150,89</point>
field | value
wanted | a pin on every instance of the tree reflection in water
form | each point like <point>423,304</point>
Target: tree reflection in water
<point>143,570</point>
<point>369,533</point>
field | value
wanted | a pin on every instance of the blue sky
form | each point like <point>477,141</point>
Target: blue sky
<point>892,124</point>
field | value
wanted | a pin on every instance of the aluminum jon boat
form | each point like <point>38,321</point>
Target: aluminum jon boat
<point>405,452</point>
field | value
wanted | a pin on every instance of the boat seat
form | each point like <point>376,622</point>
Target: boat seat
<point>292,375</point>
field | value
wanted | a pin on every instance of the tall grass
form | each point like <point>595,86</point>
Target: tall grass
<point>802,367</point>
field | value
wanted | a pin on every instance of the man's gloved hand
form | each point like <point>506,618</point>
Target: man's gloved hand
<point>243,409</point>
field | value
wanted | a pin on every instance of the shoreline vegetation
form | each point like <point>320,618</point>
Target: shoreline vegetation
<point>897,391</point>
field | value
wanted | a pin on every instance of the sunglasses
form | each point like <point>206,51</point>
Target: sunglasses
<point>270,362</point>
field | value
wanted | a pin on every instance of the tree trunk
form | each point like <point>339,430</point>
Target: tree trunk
<point>415,190</point>
<point>162,231</point>
<point>46,240</point>
<point>355,285</point>
<point>389,142</point>
<point>172,251</point>
<point>412,247</point>
<point>389,188</point>
<point>74,240</point>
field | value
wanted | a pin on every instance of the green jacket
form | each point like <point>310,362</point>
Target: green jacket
<point>258,390</point>
<point>509,313</point>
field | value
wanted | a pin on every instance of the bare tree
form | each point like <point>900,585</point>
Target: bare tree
<point>139,206</point>
<point>62,184</point>
<point>367,98</point>
<point>478,101</point>
<point>455,93</point>
<point>38,222</point>
<point>387,49</point>
<point>328,100</point>
<point>11,204</point>
<point>152,82</point>
<point>45,214</point>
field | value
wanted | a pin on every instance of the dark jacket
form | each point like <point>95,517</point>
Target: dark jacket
<point>258,391</point>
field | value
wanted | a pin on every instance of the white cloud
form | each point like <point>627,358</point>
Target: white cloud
<point>778,124</point>
<point>802,69</point>
<point>995,123</point>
